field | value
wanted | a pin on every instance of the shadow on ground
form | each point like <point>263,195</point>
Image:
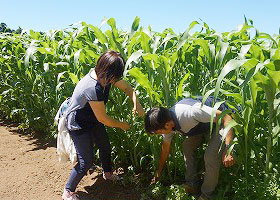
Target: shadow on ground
<point>41,141</point>
<point>108,190</point>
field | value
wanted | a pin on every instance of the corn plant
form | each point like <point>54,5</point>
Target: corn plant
<point>39,70</point>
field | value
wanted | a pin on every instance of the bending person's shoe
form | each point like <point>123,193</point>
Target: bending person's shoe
<point>203,197</point>
<point>192,190</point>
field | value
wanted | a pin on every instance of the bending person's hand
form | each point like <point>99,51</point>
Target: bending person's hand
<point>155,178</point>
<point>228,160</point>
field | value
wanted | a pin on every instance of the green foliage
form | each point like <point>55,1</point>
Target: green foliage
<point>5,29</point>
<point>39,70</point>
<point>172,192</point>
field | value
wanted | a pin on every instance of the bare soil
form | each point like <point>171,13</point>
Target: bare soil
<point>29,169</point>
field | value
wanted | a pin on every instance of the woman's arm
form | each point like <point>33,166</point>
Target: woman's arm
<point>98,107</point>
<point>126,88</point>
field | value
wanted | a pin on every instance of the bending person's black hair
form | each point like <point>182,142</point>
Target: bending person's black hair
<point>156,118</point>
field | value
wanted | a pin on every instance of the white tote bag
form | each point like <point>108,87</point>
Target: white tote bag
<point>65,145</point>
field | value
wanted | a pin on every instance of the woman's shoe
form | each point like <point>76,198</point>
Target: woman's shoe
<point>69,195</point>
<point>110,176</point>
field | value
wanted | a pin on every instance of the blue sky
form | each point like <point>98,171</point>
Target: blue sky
<point>176,14</point>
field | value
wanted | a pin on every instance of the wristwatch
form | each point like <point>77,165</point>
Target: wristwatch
<point>227,146</point>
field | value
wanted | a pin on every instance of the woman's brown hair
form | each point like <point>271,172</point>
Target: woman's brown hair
<point>110,66</point>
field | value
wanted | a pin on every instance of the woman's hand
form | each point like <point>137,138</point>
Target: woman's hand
<point>139,110</point>
<point>124,126</point>
<point>124,86</point>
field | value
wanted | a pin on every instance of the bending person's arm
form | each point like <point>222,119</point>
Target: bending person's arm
<point>228,160</point>
<point>226,119</point>
<point>98,107</point>
<point>164,154</point>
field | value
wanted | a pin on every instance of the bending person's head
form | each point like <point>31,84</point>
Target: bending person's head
<point>110,67</point>
<point>158,120</point>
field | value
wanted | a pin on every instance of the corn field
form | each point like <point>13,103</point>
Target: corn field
<point>39,71</point>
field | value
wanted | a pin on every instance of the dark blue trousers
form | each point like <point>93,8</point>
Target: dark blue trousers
<point>83,140</point>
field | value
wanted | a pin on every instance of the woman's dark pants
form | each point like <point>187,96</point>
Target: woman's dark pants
<point>83,140</point>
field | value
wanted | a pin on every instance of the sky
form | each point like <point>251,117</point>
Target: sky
<point>222,16</point>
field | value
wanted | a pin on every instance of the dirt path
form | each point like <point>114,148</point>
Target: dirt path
<point>30,170</point>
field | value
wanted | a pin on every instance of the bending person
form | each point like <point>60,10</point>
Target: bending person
<point>192,119</point>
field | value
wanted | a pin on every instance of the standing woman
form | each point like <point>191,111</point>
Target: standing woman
<point>86,117</point>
